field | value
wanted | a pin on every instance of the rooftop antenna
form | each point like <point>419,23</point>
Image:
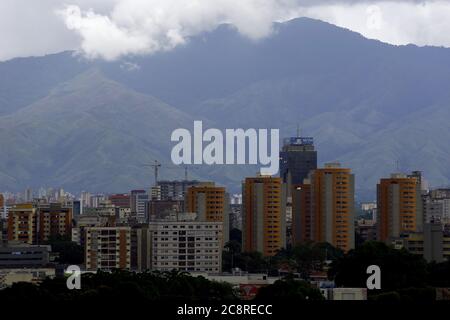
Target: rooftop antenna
<point>397,165</point>
<point>298,131</point>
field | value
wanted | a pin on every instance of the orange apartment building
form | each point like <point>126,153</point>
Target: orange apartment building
<point>211,203</point>
<point>323,207</point>
<point>264,215</point>
<point>399,208</point>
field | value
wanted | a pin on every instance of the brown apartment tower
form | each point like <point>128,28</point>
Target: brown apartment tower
<point>264,215</point>
<point>301,213</point>
<point>323,207</point>
<point>54,220</point>
<point>399,206</point>
<point>22,224</point>
<point>34,224</point>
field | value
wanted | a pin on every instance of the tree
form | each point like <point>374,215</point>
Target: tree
<point>119,286</point>
<point>290,288</point>
<point>399,268</point>
<point>69,252</point>
<point>439,274</point>
<point>236,235</point>
<point>312,256</point>
<point>232,250</point>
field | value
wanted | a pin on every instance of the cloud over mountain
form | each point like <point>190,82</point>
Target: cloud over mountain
<point>112,29</point>
<point>148,26</point>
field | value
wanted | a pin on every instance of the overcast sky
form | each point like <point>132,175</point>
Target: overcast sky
<point>111,29</point>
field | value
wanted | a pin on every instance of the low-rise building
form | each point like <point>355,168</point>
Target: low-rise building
<point>246,284</point>
<point>10,276</point>
<point>366,230</point>
<point>24,256</point>
<point>347,294</point>
<point>432,244</point>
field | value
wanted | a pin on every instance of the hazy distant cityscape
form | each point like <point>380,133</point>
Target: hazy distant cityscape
<point>198,227</point>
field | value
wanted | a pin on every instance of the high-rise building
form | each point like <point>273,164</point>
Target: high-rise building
<point>174,190</point>
<point>133,199</point>
<point>22,224</point>
<point>264,215</point>
<point>3,232</point>
<point>142,207</point>
<point>36,223</point>
<point>297,158</point>
<point>28,196</point>
<point>54,220</point>
<point>399,205</point>
<point>185,245</point>
<point>108,248</point>
<point>436,207</point>
<point>60,195</point>
<point>301,213</point>
<point>2,207</point>
<point>76,207</point>
<point>85,200</point>
<point>155,193</point>
<point>96,200</point>
<point>323,207</point>
<point>236,217</point>
<point>141,248</point>
<point>419,179</point>
<point>211,203</point>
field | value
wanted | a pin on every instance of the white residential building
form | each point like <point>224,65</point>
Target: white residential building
<point>193,246</point>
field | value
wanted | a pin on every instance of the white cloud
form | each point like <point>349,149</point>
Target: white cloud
<point>30,27</point>
<point>399,23</point>
<point>147,26</point>
<point>111,29</point>
<point>104,38</point>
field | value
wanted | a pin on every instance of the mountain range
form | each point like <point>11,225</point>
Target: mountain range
<point>91,125</point>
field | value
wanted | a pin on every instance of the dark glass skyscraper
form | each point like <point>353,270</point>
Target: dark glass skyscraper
<point>297,158</point>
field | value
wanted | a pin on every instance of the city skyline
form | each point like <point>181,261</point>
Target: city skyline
<point>254,155</point>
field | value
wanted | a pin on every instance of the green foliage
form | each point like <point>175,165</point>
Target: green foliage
<point>406,295</point>
<point>253,262</point>
<point>69,251</point>
<point>124,286</point>
<point>290,289</point>
<point>439,274</point>
<point>304,258</point>
<point>399,268</point>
